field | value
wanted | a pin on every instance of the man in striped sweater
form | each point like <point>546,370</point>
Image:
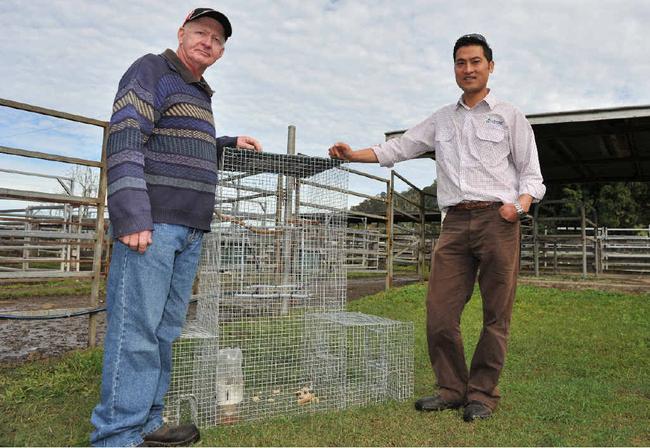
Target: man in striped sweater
<point>162,171</point>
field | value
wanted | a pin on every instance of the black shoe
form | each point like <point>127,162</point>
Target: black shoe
<point>436,403</point>
<point>182,435</point>
<point>476,410</point>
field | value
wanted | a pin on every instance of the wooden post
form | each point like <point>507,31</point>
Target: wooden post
<point>28,227</point>
<point>66,250</point>
<point>99,243</point>
<point>421,266</point>
<point>279,201</point>
<point>288,219</point>
<point>596,245</point>
<point>389,231</point>
<point>536,241</point>
<point>80,230</point>
<point>583,225</point>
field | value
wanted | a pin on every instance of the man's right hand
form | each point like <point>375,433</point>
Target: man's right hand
<point>341,150</point>
<point>138,241</point>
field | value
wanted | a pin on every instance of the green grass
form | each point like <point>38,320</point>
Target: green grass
<point>576,374</point>
<point>53,288</point>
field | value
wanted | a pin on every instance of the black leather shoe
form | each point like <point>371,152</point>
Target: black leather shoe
<point>476,410</point>
<point>436,403</point>
<point>182,435</point>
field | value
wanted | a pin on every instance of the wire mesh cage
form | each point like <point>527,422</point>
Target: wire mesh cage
<point>276,259</point>
<point>281,220</point>
<point>192,389</point>
<point>369,358</point>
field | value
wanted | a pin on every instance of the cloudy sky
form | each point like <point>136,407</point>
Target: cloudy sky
<point>336,69</point>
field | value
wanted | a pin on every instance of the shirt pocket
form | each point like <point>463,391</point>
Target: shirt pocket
<point>443,143</point>
<point>491,145</point>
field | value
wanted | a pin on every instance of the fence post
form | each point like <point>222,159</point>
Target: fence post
<point>536,241</point>
<point>99,243</point>
<point>288,219</point>
<point>603,251</point>
<point>583,224</point>
<point>28,227</point>
<point>596,245</point>
<point>389,231</point>
<point>421,257</point>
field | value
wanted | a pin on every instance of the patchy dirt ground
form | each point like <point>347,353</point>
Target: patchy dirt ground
<point>611,282</point>
<point>23,340</point>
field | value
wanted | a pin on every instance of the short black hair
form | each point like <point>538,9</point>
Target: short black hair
<point>473,39</point>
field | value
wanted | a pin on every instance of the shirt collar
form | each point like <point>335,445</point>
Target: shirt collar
<point>489,99</point>
<point>177,65</point>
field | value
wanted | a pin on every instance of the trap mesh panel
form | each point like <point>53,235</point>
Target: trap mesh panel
<point>192,389</point>
<point>281,223</point>
<point>276,251</point>
<point>368,358</point>
<point>276,259</point>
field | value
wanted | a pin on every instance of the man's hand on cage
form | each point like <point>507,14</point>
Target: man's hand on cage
<point>341,150</point>
<point>248,143</point>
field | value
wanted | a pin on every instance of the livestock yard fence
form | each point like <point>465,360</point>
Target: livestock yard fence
<point>47,235</point>
<point>560,244</point>
<point>54,239</point>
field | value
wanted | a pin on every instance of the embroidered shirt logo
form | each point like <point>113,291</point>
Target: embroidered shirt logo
<point>494,120</point>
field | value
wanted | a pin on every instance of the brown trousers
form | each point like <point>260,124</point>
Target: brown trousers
<point>472,241</point>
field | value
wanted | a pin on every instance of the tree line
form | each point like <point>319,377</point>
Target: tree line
<point>617,204</point>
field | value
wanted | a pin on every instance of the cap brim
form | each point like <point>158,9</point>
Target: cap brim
<point>219,17</point>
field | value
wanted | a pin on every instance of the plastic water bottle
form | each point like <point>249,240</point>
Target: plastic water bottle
<point>230,383</point>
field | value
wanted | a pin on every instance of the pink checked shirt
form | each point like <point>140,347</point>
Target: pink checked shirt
<point>486,153</point>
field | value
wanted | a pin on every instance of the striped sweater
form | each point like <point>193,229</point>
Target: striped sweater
<point>162,152</point>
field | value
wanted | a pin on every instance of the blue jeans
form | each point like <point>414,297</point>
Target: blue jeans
<point>147,298</point>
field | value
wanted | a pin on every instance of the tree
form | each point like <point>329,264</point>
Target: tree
<point>616,204</point>
<point>85,184</point>
<point>378,206</point>
<point>373,206</point>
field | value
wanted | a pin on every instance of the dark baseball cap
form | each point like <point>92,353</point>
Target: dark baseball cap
<point>216,15</point>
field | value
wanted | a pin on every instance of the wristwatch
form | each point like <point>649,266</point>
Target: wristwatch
<point>520,210</point>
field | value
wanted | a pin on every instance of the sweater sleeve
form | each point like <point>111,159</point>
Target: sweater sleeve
<point>131,125</point>
<point>224,142</point>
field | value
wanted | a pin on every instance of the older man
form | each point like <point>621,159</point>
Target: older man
<point>162,171</point>
<point>488,176</point>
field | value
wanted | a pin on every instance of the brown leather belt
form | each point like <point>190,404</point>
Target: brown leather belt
<point>475,205</point>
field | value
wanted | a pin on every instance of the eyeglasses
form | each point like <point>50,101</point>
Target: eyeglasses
<point>214,38</point>
<point>474,36</point>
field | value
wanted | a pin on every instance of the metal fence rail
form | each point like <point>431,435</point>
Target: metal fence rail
<point>557,244</point>
<point>63,236</point>
<point>61,244</point>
